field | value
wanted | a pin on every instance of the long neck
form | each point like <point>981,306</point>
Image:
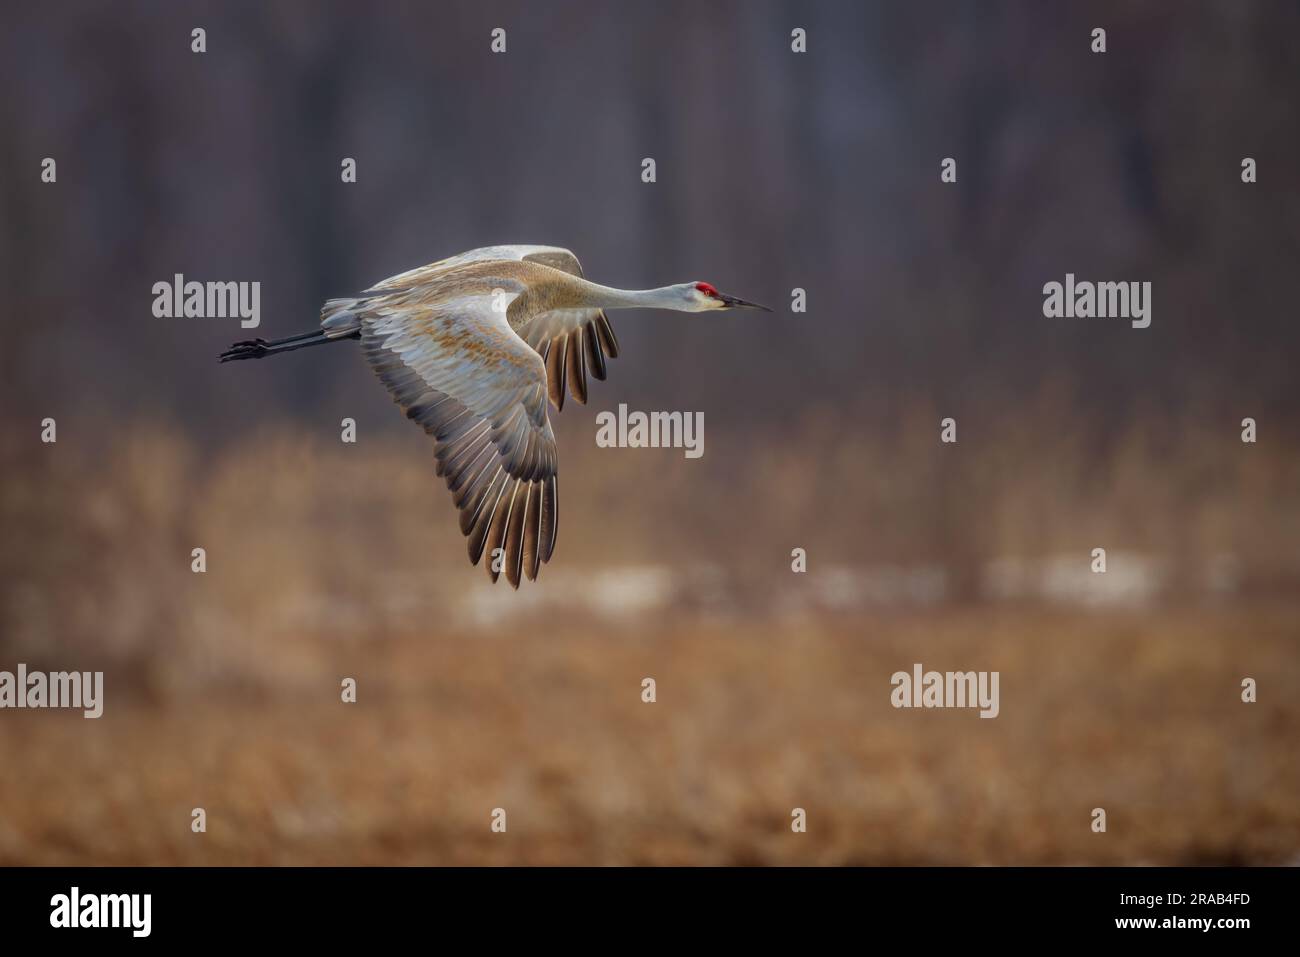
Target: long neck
<point>607,297</point>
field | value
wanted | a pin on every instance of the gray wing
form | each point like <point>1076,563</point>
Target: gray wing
<point>458,369</point>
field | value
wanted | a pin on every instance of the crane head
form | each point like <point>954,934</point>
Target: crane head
<point>705,297</point>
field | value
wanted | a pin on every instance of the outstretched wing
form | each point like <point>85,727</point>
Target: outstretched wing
<point>455,366</point>
<point>573,342</point>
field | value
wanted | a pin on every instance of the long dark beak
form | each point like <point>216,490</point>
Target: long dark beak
<point>734,303</point>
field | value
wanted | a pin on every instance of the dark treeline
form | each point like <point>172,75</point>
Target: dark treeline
<point>775,170</point>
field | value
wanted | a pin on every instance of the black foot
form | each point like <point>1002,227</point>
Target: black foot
<point>247,349</point>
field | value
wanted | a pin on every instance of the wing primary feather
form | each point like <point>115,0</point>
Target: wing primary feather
<point>469,498</point>
<point>577,368</point>
<point>452,456</point>
<point>468,468</point>
<point>532,528</point>
<point>475,495</point>
<point>485,512</point>
<point>550,519</point>
<point>514,553</point>
<point>497,527</point>
<point>555,373</point>
<point>595,358</point>
<point>606,333</point>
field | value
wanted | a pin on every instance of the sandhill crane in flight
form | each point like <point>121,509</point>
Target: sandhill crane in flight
<point>470,347</point>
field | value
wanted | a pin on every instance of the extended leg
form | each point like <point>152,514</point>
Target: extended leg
<point>257,348</point>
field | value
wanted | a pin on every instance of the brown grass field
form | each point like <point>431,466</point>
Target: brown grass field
<point>1137,715</point>
<point>222,689</point>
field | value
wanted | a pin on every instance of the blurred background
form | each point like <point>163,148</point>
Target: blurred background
<point>775,171</point>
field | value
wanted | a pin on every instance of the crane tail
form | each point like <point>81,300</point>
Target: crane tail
<point>340,318</point>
